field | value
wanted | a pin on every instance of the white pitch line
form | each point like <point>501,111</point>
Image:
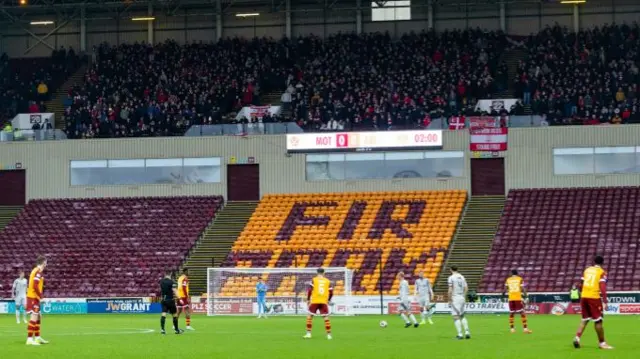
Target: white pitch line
<point>53,334</point>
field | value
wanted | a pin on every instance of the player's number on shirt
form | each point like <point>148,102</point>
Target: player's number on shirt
<point>514,287</point>
<point>590,280</point>
<point>321,290</point>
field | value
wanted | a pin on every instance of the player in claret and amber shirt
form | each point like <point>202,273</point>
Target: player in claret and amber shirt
<point>594,295</point>
<point>318,299</point>
<point>34,295</point>
<point>514,286</point>
<point>184,302</point>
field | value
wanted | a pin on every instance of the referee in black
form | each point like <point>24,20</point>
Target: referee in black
<point>169,293</point>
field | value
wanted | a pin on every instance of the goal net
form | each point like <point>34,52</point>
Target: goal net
<point>232,291</point>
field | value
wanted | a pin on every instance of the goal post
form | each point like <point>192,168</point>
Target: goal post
<point>232,291</point>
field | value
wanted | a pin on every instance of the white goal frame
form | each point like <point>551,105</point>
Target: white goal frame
<point>292,304</point>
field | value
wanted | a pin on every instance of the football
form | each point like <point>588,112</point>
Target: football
<point>383,324</point>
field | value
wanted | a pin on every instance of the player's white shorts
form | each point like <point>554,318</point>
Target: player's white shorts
<point>457,305</point>
<point>424,302</point>
<point>21,302</point>
<point>405,305</point>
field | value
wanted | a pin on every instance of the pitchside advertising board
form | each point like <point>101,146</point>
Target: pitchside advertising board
<point>52,306</point>
<point>540,303</point>
<point>557,304</point>
<point>364,141</point>
<point>122,305</point>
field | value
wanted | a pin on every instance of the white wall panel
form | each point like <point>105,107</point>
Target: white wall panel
<point>529,162</point>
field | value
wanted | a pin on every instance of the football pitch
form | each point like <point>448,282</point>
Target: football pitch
<point>137,336</point>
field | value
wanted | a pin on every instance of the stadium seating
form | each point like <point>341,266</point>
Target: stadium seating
<point>109,247</point>
<point>551,235</point>
<point>410,230</point>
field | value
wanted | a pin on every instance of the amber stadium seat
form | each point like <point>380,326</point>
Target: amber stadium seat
<point>410,231</point>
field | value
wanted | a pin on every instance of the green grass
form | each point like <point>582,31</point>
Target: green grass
<point>131,336</point>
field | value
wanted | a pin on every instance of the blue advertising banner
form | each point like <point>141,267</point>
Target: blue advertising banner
<point>57,308</point>
<point>124,305</point>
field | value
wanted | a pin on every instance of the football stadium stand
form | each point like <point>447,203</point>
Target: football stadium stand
<point>410,230</point>
<point>547,233</point>
<point>111,247</point>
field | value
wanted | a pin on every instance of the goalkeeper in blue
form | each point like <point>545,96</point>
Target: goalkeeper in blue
<point>261,296</point>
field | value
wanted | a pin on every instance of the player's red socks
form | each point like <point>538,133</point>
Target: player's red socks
<point>327,325</point>
<point>31,328</point>
<point>309,323</point>
<point>524,320</point>
<point>511,320</point>
<point>579,333</point>
<point>188,322</point>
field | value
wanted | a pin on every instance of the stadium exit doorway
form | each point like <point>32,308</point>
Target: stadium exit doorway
<point>243,182</point>
<point>13,188</point>
<point>487,177</point>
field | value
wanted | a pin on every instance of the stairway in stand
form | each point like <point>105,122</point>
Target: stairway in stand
<point>55,104</point>
<point>472,242</point>
<point>512,59</point>
<point>216,242</point>
<point>271,98</point>
<point>7,214</point>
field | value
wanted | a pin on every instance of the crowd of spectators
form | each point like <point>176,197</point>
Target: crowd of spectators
<point>371,80</point>
<point>590,77</point>
<point>25,84</point>
<point>357,81</point>
<point>353,80</point>
<point>161,90</point>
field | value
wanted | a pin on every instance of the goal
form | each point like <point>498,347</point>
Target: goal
<point>232,291</point>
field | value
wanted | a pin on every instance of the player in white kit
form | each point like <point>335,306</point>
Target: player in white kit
<point>405,302</point>
<point>457,300</point>
<point>424,293</point>
<point>19,294</point>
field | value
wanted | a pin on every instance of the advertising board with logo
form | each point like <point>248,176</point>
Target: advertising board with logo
<point>4,307</point>
<point>361,304</point>
<point>365,141</point>
<point>371,304</point>
<point>122,305</point>
<point>58,306</point>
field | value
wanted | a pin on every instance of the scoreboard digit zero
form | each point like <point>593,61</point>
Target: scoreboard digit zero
<point>364,141</point>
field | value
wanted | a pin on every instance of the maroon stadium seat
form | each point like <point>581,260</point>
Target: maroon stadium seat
<point>551,235</point>
<point>104,247</point>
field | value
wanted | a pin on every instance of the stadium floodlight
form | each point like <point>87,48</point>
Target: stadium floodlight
<point>231,291</point>
<point>573,1</point>
<point>146,18</point>
<point>45,22</point>
<point>248,14</point>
